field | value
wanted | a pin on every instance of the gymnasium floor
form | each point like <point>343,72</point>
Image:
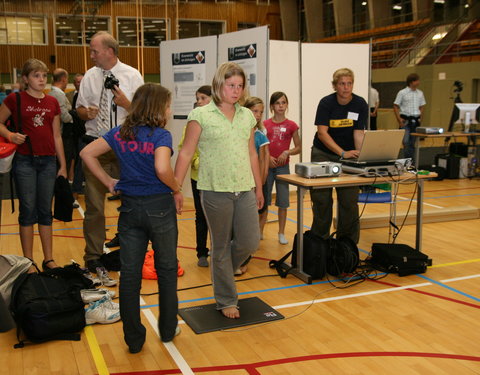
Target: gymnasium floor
<point>419,324</point>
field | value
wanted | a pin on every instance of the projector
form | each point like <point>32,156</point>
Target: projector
<point>318,169</point>
<point>429,130</point>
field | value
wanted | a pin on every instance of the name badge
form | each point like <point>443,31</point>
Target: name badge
<point>283,130</point>
<point>352,116</point>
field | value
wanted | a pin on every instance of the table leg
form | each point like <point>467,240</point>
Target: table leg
<point>417,151</point>
<point>298,271</point>
<point>418,229</point>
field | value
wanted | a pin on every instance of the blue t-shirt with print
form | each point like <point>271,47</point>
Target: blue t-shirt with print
<point>137,160</point>
<point>260,140</point>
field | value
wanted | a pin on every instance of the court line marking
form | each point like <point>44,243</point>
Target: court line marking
<point>170,346</point>
<point>97,355</point>
<point>442,284</point>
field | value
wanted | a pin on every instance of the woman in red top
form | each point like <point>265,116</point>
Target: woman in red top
<point>35,164</point>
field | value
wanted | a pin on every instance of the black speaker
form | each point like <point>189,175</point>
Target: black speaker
<point>53,59</point>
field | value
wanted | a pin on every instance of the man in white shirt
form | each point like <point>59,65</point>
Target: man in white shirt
<point>408,108</point>
<point>102,108</point>
<point>373,103</point>
<point>59,84</point>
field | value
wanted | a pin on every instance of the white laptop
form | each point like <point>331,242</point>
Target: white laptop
<point>379,147</point>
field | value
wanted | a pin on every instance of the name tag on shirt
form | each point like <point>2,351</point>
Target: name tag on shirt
<point>283,130</point>
<point>352,116</point>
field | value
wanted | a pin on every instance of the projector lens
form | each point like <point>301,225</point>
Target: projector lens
<point>335,169</point>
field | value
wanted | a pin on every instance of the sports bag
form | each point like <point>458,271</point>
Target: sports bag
<point>398,258</point>
<point>315,251</point>
<point>46,307</point>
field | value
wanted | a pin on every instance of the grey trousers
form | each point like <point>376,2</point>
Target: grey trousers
<point>233,223</point>
<point>322,205</point>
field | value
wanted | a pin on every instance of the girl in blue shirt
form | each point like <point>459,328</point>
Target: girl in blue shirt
<point>150,198</point>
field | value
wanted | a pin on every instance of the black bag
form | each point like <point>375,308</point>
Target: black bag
<point>46,308</point>
<point>343,256</point>
<point>63,206</point>
<point>315,251</point>
<point>398,258</point>
<point>111,260</point>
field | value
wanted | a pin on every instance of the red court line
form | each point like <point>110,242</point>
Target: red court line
<point>429,294</point>
<point>252,368</point>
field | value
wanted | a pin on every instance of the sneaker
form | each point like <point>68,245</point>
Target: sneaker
<point>105,279</point>
<point>108,302</point>
<point>98,312</point>
<point>180,270</point>
<point>92,295</point>
<point>282,239</point>
<point>202,262</point>
<point>93,264</point>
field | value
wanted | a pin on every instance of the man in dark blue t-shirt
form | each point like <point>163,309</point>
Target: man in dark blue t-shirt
<point>341,120</point>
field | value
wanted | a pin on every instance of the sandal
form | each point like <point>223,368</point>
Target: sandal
<point>45,267</point>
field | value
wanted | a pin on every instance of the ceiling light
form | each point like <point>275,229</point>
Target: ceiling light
<point>397,7</point>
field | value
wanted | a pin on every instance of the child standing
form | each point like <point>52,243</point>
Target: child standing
<point>228,173</point>
<point>150,196</point>
<point>203,97</point>
<point>261,145</point>
<point>280,132</point>
<point>35,164</point>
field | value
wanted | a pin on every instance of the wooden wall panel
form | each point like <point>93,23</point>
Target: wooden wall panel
<point>72,58</point>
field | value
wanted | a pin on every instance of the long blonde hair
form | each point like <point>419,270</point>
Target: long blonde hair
<point>224,72</point>
<point>251,102</point>
<point>148,107</point>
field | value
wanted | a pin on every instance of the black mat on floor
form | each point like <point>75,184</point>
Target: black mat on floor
<point>207,318</point>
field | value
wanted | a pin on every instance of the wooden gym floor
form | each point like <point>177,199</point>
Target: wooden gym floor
<point>418,324</point>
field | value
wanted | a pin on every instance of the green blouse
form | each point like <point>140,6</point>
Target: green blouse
<point>224,149</point>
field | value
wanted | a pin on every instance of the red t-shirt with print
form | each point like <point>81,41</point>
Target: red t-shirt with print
<point>280,135</point>
<point>37,119</point>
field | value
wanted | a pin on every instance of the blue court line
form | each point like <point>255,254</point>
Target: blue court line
<point>259,291</point>
<point>449,288</point>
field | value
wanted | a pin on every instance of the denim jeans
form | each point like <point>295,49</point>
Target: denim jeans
<point>282,199</point>
<point>201,227</point>
<point>409,141</point>
<point>142,219</point>
<point>35,183</point>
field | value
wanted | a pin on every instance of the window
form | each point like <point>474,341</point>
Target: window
<point>68,29</point>
<point>154,31</point>
<point>328,18</point>
<point>360,15</point>
<point>193,29</point>
<point>23,30</point>
<point>401,11</point>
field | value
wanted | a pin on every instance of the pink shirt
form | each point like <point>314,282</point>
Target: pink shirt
<point>280,135</point>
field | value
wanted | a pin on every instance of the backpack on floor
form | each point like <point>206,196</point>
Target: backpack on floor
<point>343,256</point>
<point>315,252</point>
<point>46,307</point>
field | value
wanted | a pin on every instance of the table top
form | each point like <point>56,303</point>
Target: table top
<point>447,134</point>
<point>349,180</point>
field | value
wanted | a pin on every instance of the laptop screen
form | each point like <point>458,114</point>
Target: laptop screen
<point>381,145</point>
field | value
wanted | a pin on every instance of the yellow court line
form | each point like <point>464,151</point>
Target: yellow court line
<point>96,352</point>
<point>455,263</point>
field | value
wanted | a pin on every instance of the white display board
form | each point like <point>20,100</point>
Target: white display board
<point>284,75</point>
<point>319,62</point>
<point>185,65</point>
<point>248,48</point>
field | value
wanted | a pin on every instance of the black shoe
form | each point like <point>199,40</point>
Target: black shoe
<point>113,197</point>
<point>93,264</point>
<point>114,242</point>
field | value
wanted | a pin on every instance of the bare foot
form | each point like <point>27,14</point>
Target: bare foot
<point>231,312</point>
<point>32,269</point>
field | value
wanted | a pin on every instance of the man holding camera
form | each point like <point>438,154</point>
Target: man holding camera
<point>408,108</point>
<point>103,100</point>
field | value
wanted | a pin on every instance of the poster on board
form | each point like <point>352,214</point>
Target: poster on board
<point>246,57</point>
<point>189,73</point>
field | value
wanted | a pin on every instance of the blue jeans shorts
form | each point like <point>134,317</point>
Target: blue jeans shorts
<point>34,178</point>
<point>282,199</point>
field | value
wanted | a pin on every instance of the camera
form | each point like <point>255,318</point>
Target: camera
<point>111,81</point>
<point>458,86</point>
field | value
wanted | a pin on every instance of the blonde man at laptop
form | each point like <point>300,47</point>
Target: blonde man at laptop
<point>341,120</point>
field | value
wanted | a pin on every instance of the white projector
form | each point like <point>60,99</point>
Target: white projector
<point>318,169</point>
<point>429,130</point>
